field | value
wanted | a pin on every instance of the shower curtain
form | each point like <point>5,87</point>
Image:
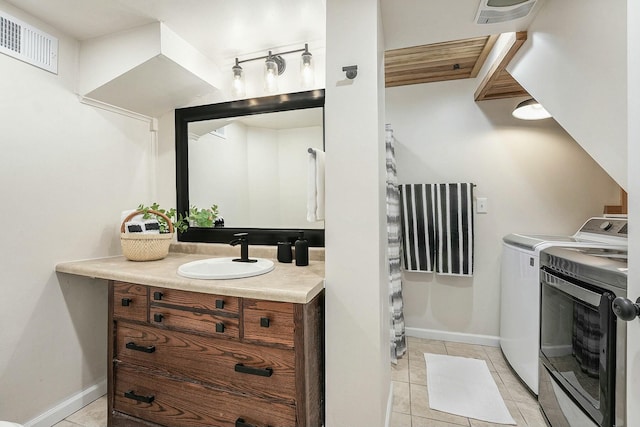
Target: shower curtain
<point>398,340</point>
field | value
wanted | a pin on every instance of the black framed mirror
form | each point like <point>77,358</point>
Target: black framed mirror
<point>207,142</point>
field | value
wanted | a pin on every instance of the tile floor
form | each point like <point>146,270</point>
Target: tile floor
<point>411,405</point>
<point>92,415</point>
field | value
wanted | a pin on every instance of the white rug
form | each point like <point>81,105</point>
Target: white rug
<point>465,387</point>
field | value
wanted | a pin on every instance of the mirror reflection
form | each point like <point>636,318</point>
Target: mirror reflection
<point>250,158</point>
<point>254,168</point>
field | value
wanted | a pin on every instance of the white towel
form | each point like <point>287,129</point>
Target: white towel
<point>315,186</point>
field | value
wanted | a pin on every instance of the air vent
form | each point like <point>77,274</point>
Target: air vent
<point>27,43</point>
<point>496,11</point>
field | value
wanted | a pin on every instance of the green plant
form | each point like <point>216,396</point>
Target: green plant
<point>180,223</point>
<point>203,217</point>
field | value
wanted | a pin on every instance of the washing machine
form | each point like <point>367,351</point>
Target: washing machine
<point>520,287</point>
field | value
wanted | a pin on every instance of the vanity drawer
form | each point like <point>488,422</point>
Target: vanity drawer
<point>266,372</point>
<point>194,300</point>
<point>188,320</point>
<point>172,402</point>
<point>268,322</point>
<point>130,301</point>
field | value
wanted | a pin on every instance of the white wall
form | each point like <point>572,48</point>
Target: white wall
<point>574,63</point>
<point>67,170</point>
<point>357,359</point>
<point>536,179</point>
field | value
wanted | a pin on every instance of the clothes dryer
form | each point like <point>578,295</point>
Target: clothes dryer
<point>520,287</point>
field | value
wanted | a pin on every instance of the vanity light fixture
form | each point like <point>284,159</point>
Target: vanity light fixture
<point>274,66</point>
<point>530,110</point>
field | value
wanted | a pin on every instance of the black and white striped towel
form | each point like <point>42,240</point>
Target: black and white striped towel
<point>417,217</point>
<point>437,228</point>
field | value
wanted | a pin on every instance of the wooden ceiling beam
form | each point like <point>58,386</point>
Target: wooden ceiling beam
<point>491,41</point>
<point>515,41</point>
<point>435,62</point>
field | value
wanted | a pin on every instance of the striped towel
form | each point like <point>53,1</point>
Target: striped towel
<point>417,217</point>
<point>437,228</point>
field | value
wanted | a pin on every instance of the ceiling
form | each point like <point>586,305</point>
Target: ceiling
<point>219,29</point>
<point>223,29</point>
<point>426,40</point>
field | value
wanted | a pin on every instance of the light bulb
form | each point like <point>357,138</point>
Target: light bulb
<point>306,68</point>
<point>237,85</point>
<point>530,110</point>
<point>270,75</point>
<point>238,88</point>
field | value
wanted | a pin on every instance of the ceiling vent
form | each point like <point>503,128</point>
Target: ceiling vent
<point>496,11</point>
<point>27,43</point>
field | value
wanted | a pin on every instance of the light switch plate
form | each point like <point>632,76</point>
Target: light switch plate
<point>481,205</point>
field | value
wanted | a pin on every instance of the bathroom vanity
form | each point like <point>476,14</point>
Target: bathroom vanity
<point>188,352</point>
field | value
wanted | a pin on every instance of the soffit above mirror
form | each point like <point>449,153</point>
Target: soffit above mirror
<point>149,70</point>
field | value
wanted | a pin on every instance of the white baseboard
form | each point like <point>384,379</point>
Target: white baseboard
<point>431,334</point>
<point>387,422</point>
<point>69,406</point>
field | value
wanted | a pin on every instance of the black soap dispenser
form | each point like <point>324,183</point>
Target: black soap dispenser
<point>302,250</point>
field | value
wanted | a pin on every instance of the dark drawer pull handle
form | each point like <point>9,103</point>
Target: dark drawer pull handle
<point>220,304</point>
<point>220,327</point>
<point>131,395</point>
<point>157,296</point>
<point>266,372</point>
<point>157,317</point>
<point>240,423</point>
<point>133,346</point>
<point>264,322</point>
<point>126,302</point>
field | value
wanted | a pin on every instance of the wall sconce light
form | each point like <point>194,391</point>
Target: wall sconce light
<point>530,110</point>
<point>274,66</point>
<point>351,71</point>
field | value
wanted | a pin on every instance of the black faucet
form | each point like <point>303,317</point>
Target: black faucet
<point>244,247</point>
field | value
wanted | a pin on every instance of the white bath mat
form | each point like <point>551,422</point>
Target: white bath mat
<point>465,387</point>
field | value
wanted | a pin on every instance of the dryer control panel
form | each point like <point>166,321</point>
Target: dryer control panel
<point>606,226</point>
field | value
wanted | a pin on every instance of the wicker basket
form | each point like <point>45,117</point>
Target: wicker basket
<point>145,247</point>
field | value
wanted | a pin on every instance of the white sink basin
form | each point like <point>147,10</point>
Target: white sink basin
<point>224,268</point>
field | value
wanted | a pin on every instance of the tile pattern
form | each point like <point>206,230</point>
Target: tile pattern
<point>411,400</point>
<point>410,397</point>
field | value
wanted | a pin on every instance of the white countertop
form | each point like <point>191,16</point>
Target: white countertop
<point>286,283</point>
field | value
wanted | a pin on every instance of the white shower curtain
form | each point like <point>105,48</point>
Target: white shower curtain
<point>398,341</point>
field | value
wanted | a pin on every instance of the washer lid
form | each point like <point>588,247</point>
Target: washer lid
<point>532,241</point>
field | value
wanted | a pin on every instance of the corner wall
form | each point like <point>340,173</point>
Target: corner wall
<point>536,177</point>
<point>356,295</point>
<point>67,171</point>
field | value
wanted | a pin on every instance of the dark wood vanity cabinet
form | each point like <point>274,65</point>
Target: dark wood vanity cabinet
<point>181,358</point>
